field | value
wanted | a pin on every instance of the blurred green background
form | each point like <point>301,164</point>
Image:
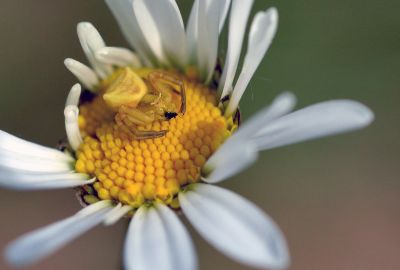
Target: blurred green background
<point>336,199</point>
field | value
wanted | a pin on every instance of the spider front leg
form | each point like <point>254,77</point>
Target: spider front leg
<point>159,78</point>
<point>131,118</point>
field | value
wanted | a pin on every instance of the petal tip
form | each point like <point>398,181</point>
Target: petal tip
<point>289,97</point>
<point>361,113</point>
<point>68,62</point>
<point>76,88</point>
<point>84,25</point>
<point>11,256</point>
<point>102,52</point>
<point>273,14</point>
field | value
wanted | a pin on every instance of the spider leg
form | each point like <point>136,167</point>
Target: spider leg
<point>147,134</point>
<point>132,117</point>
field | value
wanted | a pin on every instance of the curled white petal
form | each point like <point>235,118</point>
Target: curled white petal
<point>120,57</point>
<point>240,12</point>
<point>91,41</point>
<point>74,95</point>
<point>157,240</point>
<point>116,214</point>
<point>83,73</point>
<point>12,145</point>
<point>123,13</point>
<point>262,32</point>
<point>71,113</point>
<point>161,24</point>
<point>38,244</point>
<point>322,119</point>
<point>235,226</point>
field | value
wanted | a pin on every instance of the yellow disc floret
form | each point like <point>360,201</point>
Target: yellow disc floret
<point>133,171</point>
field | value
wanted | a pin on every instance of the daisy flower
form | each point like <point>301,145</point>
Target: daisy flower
<point>152,131</point>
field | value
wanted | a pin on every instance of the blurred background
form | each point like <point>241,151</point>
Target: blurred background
<point>336,199</point>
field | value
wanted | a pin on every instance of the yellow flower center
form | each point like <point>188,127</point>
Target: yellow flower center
<point>133,171</point>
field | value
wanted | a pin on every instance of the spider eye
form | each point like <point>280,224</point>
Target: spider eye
<point>170,115</point>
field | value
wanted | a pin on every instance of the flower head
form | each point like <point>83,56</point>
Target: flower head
<point>152,130</point>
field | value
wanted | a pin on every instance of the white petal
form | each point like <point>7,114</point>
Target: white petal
<point>38,244</point>
<point>91,41</point>
<point>157,240</point>
<point>204,44</point>
<point>116,214</point>
<point>238,152</point>
<point>30,177</point>
<point>23,180</point>
<point>33,163</point>
<point>10,144</point>
<point>228,161</point>
<point>210,13</point>
<point>58,184</point>
<point>202,34</point>
<point>74,95</point>
<point>240,12</point>
<point>262,32</point>
<point>123,13</point>
<point>71,113</point>
<point>149,30</point>
<point>162,26</point>
<point>120,57</point>
<point>83,73</point>
<point>95,207</point>
<point>192,34</point>
<point>235,226</point>
<point>224,12</point>
<point>281,105</point>
<point>322,119</point>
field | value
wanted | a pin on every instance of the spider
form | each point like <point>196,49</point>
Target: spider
<point>142,97</point>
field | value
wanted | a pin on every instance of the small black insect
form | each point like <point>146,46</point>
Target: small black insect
<point>87,96</point>
<point>170,115</point>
